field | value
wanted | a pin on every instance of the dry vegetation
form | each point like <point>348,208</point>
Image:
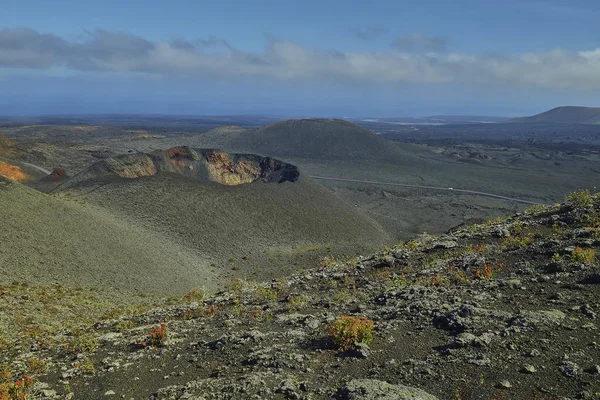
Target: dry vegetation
<point>13,172</point>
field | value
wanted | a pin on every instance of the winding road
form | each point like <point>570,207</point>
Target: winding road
<point>36,167</point>
<point>496,196</point>
<point>330,178</point>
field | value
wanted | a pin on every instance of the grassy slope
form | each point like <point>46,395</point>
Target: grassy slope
<point>45,240</point>
<point>232,222</point>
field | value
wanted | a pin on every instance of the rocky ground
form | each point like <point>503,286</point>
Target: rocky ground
<point>503,310</point>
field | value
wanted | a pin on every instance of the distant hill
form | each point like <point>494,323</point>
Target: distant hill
<point>315,138</point>
<point>564,115</point>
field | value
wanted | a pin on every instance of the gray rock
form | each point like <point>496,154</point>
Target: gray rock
<point>534,353</point>
<point>570,369</point>
<point>480,360</point>
<point>528,369</point>
<point>362,350</point>
<point>514,283</point>
<point>504,384</point>
<point>48,393</point>
<point>313,323</point>
<point>465,339</point>
<point>109,393</point>
<point>445,244</point>
<point>468,339</point>
<point>289,388</point>
<point>543,317</point>
<point>111,336</point>
<point>373,389</point>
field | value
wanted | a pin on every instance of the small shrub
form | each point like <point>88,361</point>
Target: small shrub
<point>437,280</point>
<point>583,256</point>
<point>536,209</point>
<point>84,343</point>
<point>327,262</point>
<point>86,366</point>
<point>239,285</point>
<point>124,325</point>
<point>211,310</point>
<point>195,295</point>
<point>518,242</point>
<point>581,199</point>
<point>17,390</point>
<point>158,335</point>
<point>487,272</point>
<point>348,331</point>
<point>266,294</point>
<point>297,302</point>
<point>187,315</point>
<point>478,248</point>
<point>35,365</point>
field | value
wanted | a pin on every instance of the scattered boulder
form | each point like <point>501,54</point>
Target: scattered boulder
<point>570,369</point>
<point>373,389</point>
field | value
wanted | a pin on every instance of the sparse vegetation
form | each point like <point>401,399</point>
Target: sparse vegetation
<point>17,390</point>
<point>583,255</point>
<point>196,295</point>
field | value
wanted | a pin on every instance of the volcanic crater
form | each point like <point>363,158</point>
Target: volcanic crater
<point>202,165</point>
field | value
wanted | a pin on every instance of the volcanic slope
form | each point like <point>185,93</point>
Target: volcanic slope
<point>207,201</point>
<point>318,138</point>
<point>49,241</point>
<point>565,115</point>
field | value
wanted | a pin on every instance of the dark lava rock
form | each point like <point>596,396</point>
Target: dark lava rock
<point>593,279</point>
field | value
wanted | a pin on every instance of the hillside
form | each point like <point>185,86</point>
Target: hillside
<point>168,233</point>
<point>49,241</point>
<point>331,139</point>
<point>564,115</point>
<point>257,228</point>
<point>503,310</point>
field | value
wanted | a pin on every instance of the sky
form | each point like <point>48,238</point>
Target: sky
<point>377,58</point>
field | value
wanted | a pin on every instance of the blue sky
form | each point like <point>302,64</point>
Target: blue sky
<point>322,58</point>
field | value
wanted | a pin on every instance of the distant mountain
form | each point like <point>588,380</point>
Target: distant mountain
<point>564,115</point>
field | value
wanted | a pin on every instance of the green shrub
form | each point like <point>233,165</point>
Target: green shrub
<point>583,256</point>
<point>581,199</point>
<point>195,295</point>
<point>348,331</point>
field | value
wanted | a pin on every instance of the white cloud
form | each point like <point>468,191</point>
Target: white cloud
<point>104,51</point>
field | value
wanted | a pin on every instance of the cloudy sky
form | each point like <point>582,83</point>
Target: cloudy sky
<point>283,57</point>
